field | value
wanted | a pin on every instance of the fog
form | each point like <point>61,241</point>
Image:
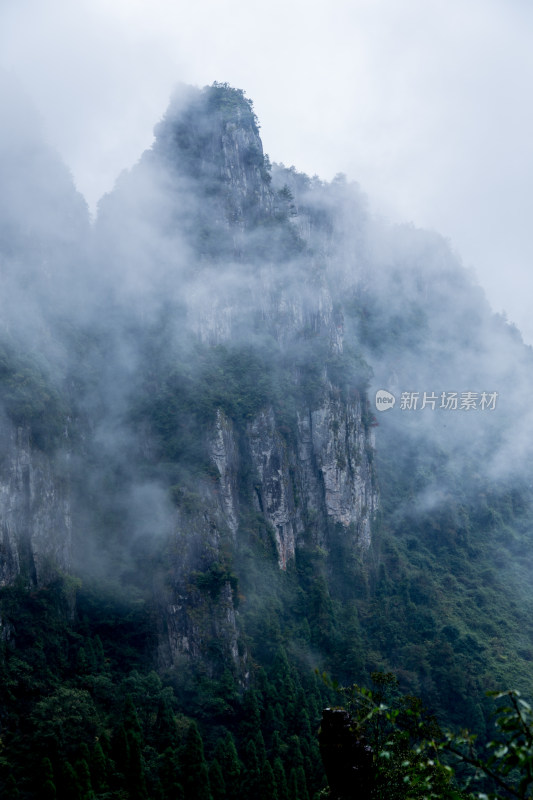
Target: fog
<point>424,105</point>
<point>199,246</point>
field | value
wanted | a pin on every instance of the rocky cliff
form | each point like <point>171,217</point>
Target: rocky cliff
<point>218,406</point>
<point>35,510</point>
<point>186,427</point>
<point>297,474</point>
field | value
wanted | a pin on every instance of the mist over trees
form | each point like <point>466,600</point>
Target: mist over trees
<point>202,503</point>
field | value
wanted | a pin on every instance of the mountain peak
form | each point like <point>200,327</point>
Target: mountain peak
<point>212,136</point>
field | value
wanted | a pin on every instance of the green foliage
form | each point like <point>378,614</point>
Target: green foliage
<point>297,784</point>
<point>216,781</point>
<point>48,786</point>
<point>195,382</point>
<point>268,789</point>
<point>251,783</point>
<point>348,371</point>
<point>30,398</point>
<point>440,614</point>
<point>506,763</point>
<point>281,780</point>
<point>170,775</point>
<point>413,757</point>
<point>194,767</point>
<point>226,756</point>
<point>84,780</point>
<point>224,98</point>
<point>285,616</point>
<point>65,719</point>
<point>71,782</point>
<point>99,768</point>
<point>402,740</point>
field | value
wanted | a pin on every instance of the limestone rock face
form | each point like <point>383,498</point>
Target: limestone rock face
<point>274,490</point>
<point>324,478</point>
<point>342,449</point>
<point>210,140</point>
<point>302,485</point>
<point>199,256</point>
<point>198,607</point>
<point>302,480</point>
<point>35,510</point>
<point>224,452</point>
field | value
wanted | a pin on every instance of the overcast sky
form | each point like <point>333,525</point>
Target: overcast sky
<point>426,103</point>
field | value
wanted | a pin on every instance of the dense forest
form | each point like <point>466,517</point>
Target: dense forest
<point>207,524</point>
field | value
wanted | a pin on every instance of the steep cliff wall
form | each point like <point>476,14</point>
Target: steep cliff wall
<point>298,487</point>
<point>215,301</point>
<point>35,509</point>
<point>198,619</point>
<point>290,451</point>
<point>212,139</point>
<point>323,478</point>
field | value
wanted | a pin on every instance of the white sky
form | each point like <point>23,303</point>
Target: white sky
<point>426,103</point>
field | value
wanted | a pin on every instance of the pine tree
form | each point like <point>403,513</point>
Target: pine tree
<point>105,742</point>
<point>166,732</point>
<point>131,718</point>
<point>293,785</point>
<point>307,763</point>
<point>48,788</point>
<point>84,779</point>
<point>136,775</point>
<point>82,664</point>
<point>251,715</point>
<point>260,748</point>
<point>268,787</point>
<point>277,746</point>
<point>228,688</point>
<point>302,784</point>
<point>194,767</point>
<point>351,656</point>
<point>99,654</point>
<point>264,687</point>
<point>226,755</point>
<point>99,768</point>
<point>121,750</point>
<point>314,714</point>
<point>216,781</point>
<point>132,738</point>
<point>271,721</point>
<point>72,788</point>
<point>314,769</point>
<point>252,772</point>
<point>305,725</point>
<point>91,658</point>
<point>294,753</point>
<point>298,784</point>
<point>281,720</point>
<point>282,683</point>
<point>83,752</point>
<point>169,775</point>
<point>281,780</point>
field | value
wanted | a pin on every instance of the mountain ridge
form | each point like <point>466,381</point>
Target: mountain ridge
<point>213,482</point>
